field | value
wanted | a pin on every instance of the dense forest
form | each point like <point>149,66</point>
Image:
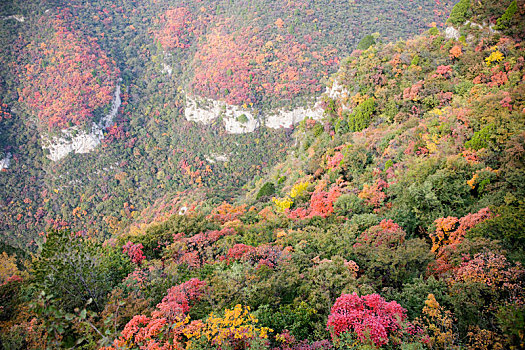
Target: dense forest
<point>394,221</point>
<point>63,61</point>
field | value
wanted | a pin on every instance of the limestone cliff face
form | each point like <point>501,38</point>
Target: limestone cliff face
<point>338,92</point>
<point>238,120</point>
<point>285,119</point>
<point>453,33</point>
<point>5,162</point>
<point>80,141</point>
<point>18,18</point>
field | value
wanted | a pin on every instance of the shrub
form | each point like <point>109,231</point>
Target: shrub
<point>267,189</point>
<point>508,225</point>
<point>297,319</point>
<point>370,317</point>
<point>235,330</point>
<point>75,270</point>
<point>349,204</point>
<point>512,321</point>
<point>459,13</point>
<point>481,138</point>
<point>433,31</point>
<point>414,294</point>
<point>242,119</point>
<point>504,21</point>
<point>361,118</point>
<point>463,88</point>
<point>366,42</point>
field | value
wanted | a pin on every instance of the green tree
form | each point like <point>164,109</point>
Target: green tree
<point>366,42</point>
<point>266,190</point>
<point>481,138</point>
<point>75,270</point>
<point>361,118</point>
<point>459,13</point>
<point>504,21</point>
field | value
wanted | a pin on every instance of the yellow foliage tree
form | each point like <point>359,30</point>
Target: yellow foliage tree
<point>282,203</point>
<point>298,189</point>
<point>438,322</point>
<point>8,267</point>
<point>495,56</point>
<point>236,328</point>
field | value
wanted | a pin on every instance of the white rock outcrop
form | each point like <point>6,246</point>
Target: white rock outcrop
<point>285,119</point>
<point>18,18</point>
<point>213,158</point>
<point>202,110</point>
<point>338,92</point>
<point>484,25</point>
<point>6,161</point>
<point>452,33</point>
<point>166,68</point>
<point>237,120</point>
<point>80,141</point>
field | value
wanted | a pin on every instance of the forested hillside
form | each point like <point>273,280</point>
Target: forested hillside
<point>67,160</point>
<point>396,221</point>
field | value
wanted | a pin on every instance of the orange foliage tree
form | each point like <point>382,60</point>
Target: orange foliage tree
<point>451,230</point>
<point>176,27</point>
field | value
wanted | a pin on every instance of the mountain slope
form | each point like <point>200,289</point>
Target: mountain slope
<point>162,55</point>
<point>395,222</point>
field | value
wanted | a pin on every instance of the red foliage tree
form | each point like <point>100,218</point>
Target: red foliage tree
<point>4,111</point>
<point>370,317</point>
<point>178,299</point>
<point>334,161</point>
<point>450,231</point>
<point>198,249</point>
<point>243,66</point>
<point>411,93</point>
<point>374,195</point>
<point>134,252</point>
<point>67,77</point>
<point>227,212</point>
<point>443,72</point>
<point>262,255</point>
<point>495,271</point>
<point>321,204</point>
<point>386,233</point>
<point>165,327</point>
<point>239,250</point>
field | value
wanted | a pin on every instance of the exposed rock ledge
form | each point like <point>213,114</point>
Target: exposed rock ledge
<point>239,120</point>
<point>18,18</point>
<point>81,142</point>
<point>453,33</point>
<point>236,120</point>
<point>213,158</point>
<point>285,119</point>
<point>6,161</point>
<point>166,68</point>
